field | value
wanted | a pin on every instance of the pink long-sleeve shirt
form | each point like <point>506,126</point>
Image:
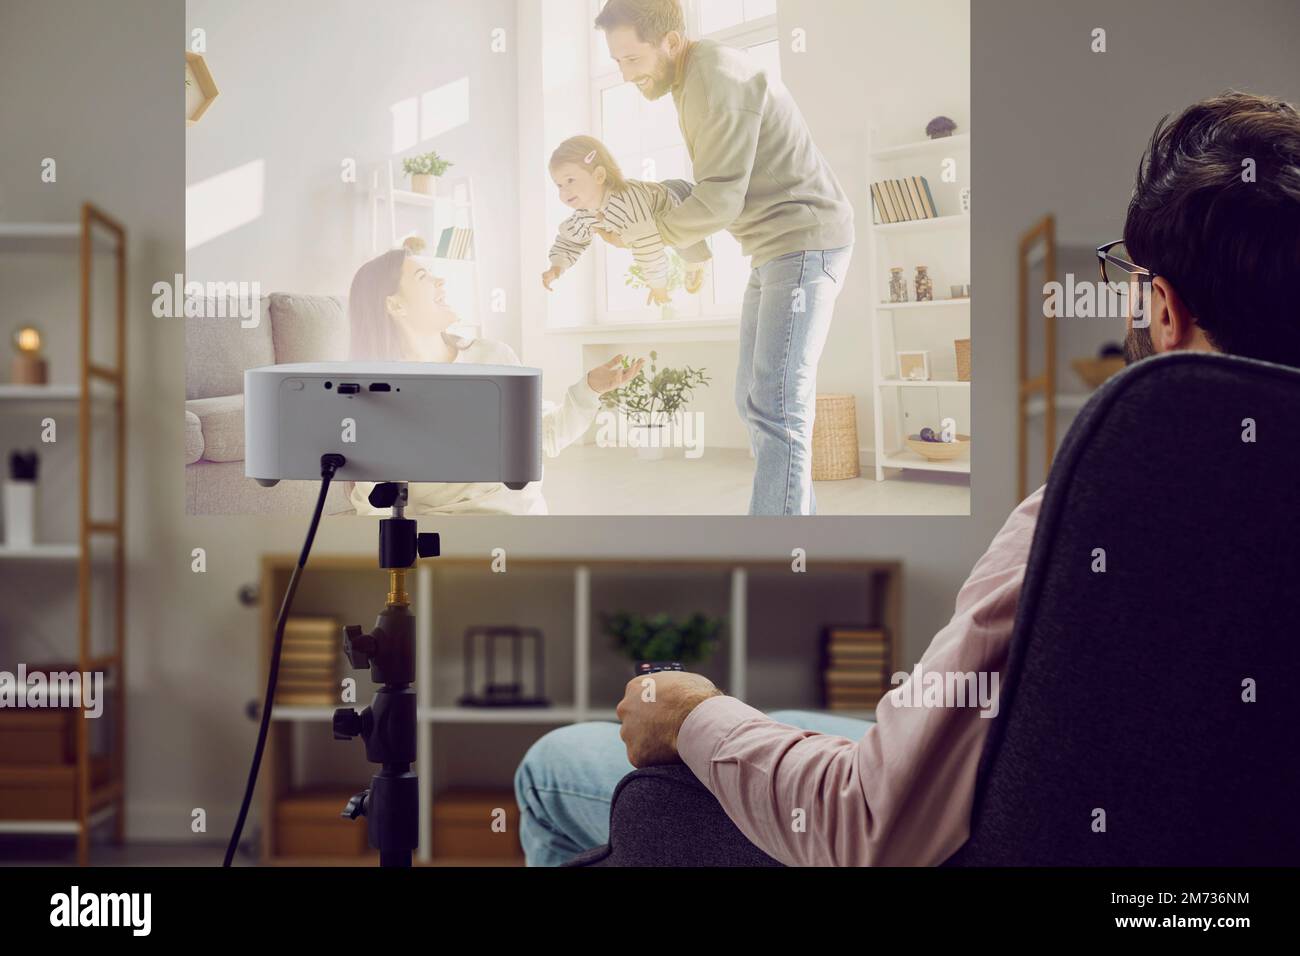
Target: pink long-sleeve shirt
<point>902,795</point>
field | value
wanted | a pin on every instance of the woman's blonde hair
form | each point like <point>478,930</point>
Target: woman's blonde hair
<point>589,152</point>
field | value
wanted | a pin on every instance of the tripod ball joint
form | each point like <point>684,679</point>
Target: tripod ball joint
<point>358,646</point>
<point>348,723</point>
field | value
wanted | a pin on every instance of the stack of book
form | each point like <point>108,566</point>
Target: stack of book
<point>857,661</point>
<point>456,243</point>
<point>309,663</point>
<point>902,200</point>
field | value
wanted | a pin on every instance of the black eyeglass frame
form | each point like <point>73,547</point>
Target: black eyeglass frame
<point>1144,276</point>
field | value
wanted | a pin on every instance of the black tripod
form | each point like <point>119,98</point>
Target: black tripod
<point>391,805</point>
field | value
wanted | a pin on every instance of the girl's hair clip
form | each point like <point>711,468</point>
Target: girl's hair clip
<point>589,158</point>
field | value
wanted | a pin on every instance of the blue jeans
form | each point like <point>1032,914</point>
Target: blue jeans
<point>784,322</point>
<point>566,780</point>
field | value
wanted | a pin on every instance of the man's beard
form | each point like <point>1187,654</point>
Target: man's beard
<point>662,78</point>
<point>1138,345</point>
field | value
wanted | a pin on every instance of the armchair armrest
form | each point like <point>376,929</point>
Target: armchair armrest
<point>221,427</point>
<point>664,816</point>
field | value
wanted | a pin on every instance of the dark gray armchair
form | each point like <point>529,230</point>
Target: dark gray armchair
<point>1127,699</point>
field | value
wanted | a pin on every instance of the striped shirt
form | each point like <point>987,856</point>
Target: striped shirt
<point>631,214</point>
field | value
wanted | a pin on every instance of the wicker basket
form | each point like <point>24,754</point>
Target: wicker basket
<point>963,359</point>
<point>1094,371</point>
<point>835,439</point>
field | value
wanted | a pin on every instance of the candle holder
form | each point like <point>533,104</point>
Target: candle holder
<point>29,366</point>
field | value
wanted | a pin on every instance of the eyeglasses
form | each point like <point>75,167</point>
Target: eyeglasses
<point>1117,269</point>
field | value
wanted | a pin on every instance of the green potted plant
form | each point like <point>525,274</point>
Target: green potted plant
<point>635,279</point>
<point>661,637</point>
<point>652,402</point>
<point>424,169</point>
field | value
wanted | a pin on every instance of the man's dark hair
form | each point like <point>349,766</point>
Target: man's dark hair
<point>1224,231</point>
<point>653,19</point>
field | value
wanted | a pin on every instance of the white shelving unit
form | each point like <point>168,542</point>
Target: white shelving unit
<point>758,660</point>
<point>950,230</point>
<point>396,214</point>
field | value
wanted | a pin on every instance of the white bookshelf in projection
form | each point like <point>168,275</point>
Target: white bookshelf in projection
<point>397,214</point>
<point>942,243</point>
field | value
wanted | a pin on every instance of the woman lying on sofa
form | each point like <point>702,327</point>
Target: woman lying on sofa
<point>398,313</point>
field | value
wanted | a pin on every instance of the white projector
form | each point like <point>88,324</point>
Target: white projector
<point>394,421</point>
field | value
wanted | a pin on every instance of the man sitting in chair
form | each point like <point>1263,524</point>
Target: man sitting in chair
<point>1210,254</point>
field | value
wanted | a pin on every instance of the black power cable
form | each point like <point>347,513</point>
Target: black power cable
<point>329,464</point>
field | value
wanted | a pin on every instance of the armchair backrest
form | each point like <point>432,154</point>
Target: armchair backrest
<point>1149,709</point>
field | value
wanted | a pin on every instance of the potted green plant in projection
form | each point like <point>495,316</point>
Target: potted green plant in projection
<point>653,403</point>
<point>661,637</point>
<point>424,169</point>
<point>635,279</point>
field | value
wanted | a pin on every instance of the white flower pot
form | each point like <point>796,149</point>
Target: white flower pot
<point>649,441</point>
<point>20,513</point>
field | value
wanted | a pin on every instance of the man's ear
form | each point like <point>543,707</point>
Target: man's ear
<point>1172,324</point>
<point>394,306</point>
<point>673,42</point>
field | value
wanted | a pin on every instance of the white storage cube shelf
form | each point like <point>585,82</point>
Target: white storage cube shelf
<point>769,651</point>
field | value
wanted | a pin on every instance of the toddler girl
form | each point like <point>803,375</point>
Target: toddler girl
<point>591,183</point>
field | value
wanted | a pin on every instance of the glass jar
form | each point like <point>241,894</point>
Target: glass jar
<point>924,285</point>
<point>897,285</point>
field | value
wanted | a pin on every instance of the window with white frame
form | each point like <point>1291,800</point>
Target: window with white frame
<point>646,141</point>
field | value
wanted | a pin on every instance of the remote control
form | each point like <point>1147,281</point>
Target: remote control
<point>653,667</point>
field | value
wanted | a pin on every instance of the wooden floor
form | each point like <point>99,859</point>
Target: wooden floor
<point>587,480</point>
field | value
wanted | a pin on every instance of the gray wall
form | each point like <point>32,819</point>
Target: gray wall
<point>1060,130</point>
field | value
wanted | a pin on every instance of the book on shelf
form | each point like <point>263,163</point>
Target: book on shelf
<point>900,211</point>
<point>903,200</point>
<point>309,659</point>
<point>876,215</point>
<point>455,243</point>
<point>923,187</point>
<point>856,667</point>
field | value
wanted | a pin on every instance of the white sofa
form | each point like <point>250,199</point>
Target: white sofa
<point>291,328</point>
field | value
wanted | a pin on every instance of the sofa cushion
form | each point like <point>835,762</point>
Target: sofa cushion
<point>308,328</point>
<point>193,438</point>
<point>222,420</point>
<point>217,350</point>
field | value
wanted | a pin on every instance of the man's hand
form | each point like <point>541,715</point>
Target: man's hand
<point>613,238</point>
<point>652,711</point>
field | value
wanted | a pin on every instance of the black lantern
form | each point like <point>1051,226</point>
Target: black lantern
<point>511,690</point>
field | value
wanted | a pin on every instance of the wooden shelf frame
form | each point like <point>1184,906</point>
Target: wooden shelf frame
<point>880,582</point>
<point>98,384</point>
<point>1036,393</point>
